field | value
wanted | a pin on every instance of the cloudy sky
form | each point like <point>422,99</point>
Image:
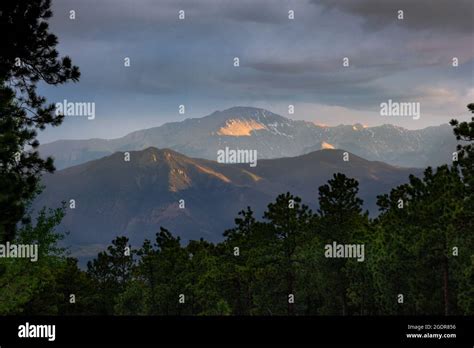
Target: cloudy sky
<point>282,61</point>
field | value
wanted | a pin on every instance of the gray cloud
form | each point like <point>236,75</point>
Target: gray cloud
<point>437,15</point>
<point>282,61</point>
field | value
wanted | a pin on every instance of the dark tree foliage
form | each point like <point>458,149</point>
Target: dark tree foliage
<point>464,132</point>
<point>110,273</point>
<point>341,220</point>
<point>28,57</point>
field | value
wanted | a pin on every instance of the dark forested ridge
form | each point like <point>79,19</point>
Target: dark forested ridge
<point>113,197</point>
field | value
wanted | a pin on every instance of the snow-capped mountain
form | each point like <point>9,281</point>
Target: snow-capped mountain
<point>272,135</point>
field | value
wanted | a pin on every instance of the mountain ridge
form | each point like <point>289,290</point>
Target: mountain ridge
<point>272,135</point>
<point>115,197</point>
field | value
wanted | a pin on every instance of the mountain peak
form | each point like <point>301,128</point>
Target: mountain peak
<point>272,135</point>
<point>165,153</point>
<point>138,196</point>
<point>359,126</point>
<point>246,110</point>
<point>159,159</point>
<point>249,112</point>
<point>242,121</point>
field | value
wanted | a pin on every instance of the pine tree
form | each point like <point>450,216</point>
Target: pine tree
<point>28,56</point>
<point>160,274</point>
<point>343,221</point>
<point>247,253</point>
<point>111,272</point>
<point>290,222</point>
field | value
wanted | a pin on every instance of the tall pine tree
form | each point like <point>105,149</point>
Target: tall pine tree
<point>28,56</point>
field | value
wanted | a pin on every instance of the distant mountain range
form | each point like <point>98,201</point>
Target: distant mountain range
<point>273,136</point>
<point>115,197</point>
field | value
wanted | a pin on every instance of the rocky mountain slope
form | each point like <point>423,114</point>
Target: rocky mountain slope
<point>273,136</point>
<point>115,197</point>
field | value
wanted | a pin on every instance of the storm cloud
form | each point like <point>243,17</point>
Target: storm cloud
<point>282,61</point>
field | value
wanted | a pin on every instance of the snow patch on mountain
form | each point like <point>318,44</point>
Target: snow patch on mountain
<point>240,127</point>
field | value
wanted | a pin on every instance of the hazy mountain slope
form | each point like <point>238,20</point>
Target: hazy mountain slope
<point>273,136</point>
<point>395,145</point>
<point>118,197</point>
<point>115,197</point>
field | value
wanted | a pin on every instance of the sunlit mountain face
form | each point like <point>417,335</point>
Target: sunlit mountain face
<point>272,136</point>
<point>240,128</point>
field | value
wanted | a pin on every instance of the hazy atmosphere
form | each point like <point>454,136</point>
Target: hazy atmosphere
<point>299,61</point>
